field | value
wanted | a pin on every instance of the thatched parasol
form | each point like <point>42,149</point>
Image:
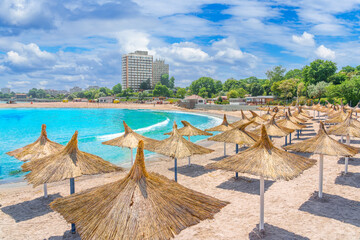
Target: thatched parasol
<point>322,144</point>
<point>143,205</point>
<point>274,130</point>
<point>243,121</point>
<point>267,116</point>
<point>287,123</point>
<point>265,160</point>
<point>338,117</point>
<point>224,126</point>
<point>130,139</point>
<point>42,147</point>
<point>69,163</point>
<point>178,147</point>
<point>349,128</point>
<point>189,130</point>
<point>295,119</point>
<point>256,118</point>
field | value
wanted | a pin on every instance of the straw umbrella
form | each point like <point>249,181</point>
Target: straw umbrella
<point>143,205</point>
<point>295,119</point>
<point>178,147</point>
<point>69,163</point>
<point>189,130</point>
<point>287,123</point>
<point>349,128</point>
<point>224,126</point>
<point>42,147</point>
<point>267,116</point>
<point>322,144</point>
<point>263,159</point>
<point>130,140</point>
<point>243,121</point>
<point>274,130</point>
<point>256,118</point>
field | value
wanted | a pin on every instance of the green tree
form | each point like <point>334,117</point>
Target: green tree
<point>117,88</point>
<point>294,73</point>
<point>267,87</point>
<point>287,88</point>
<point>181,92</point>
<point>350,90</point>
<point>242,92</point>
<point>218,86</point>
<point>338,78</point>
<point>318,71</point>
<point>256,89</point>
<point>165,79</point>
<point>145,85</point>
<point>203,92</point>
<point>161,91</point>
<point>348,69</point>
<point>230,84</point>
<point>276,74</point>
<point>318,90</point>
<point>105,90</point>
<point>171,83</point>
<point>232,94</point>
<point>206,82</point>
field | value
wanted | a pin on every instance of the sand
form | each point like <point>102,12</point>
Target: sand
<point>291,210</point>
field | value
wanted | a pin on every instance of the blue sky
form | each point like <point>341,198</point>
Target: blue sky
<point>59,44</point>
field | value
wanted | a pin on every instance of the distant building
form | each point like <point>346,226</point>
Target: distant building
<point>20,96</point>
<point>75,89</point>
<point>109,99</point>
<point>92,87</point>
<point>258,100</point>
<point>237,101</point>
<point>54,92</point>
<point>136,68</point>
<point>197,99</point>
<point>159,68</point>
<point>5,90</point>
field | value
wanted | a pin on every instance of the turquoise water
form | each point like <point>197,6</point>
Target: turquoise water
<point>19,127</point>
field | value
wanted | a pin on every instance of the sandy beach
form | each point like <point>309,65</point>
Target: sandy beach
<point>291,211</point>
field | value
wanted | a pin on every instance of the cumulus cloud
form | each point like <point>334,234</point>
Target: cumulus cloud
<point>184,52</point>
<point>325,53</point>
<point>131,40</point>
<point>306,39</point>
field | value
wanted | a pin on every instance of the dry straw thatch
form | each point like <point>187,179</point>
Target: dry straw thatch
<point>267,116</point>
<point>255,117</point>
<point>273,129</point>
<point>130,139</point>
<point>287,123</point>
<point>68,163</point>
<point>338,117</point>
<point>236,135</point>
<point>295,119</point>
<point>322,143</point>
<point>349,127</point>
<point>143,205</point>
<point>178,147</point>
<point>224,126</point>
<point>243,121</point>
<point>264,159</point>
<point>190,130</point>
<point>42,147</point>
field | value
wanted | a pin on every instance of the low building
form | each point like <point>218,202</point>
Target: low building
<point>197,99</point>
<point>109,99</point>
<point>20,96</point>
<point>237,101</point>
<point>258,100</point>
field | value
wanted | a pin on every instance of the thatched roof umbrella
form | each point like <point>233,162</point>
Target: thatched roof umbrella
<point>322,144</point>
<point>299,113</point>
<point>42,147</point>
<point>317,108</point>
<point>243,121</point>
<point>178,147</point>
<point>224,126</point>
<point>189,130</point>
<point>256,118</point>
<point>287,123</point>
<point>130,139</point>
<point>295,119</point>
<point>267,116</point>
<point>143,205</point>
<point>338,117</point>
<point>349,128</point>
<point>274,130</point>
<point>69,163</point>
<point>265,160</point>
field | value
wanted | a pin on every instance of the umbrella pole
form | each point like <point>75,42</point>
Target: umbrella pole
<point>224,148</point>
<point>342,139</point>
<point>72,191</point>
<point>298,133</point>
<point>45,191</point>
<point>237,150</point>
<point>290,139</point>
<point>321,166</point>
<point>314,114</point>
<point>175,169</point>
<point>286,140</point>
<point>132,161</point>
<point>347,158</point>
<point>261,225</point>
<point>189,156</point>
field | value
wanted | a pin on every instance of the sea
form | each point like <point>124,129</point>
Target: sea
<point>20,127</point>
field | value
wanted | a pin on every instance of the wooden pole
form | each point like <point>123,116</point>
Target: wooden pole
<point>347,158</point>
<point>286,140</point>
<point>342,139</point>
<point>45,191</point>
<point>72,191</point>
<point>321,166</point>
<point>290,139</point>
<point>224,148</point>
<point>132,159</point>
<point>237,151</point>
<point>175,168</point>
<point>189,156</point>
<point>261,225</point>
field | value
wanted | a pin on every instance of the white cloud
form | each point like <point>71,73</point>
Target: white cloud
<point>131,40</point>
<point>306,39</point>
<point>185,52</point>
<point>330,29</point>
<point>325,53</point>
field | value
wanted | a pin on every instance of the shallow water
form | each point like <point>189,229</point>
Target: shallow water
<point>19,127</point>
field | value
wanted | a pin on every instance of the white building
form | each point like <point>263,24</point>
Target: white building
<point>109,99</point>
<point>5,90</point>
<point>159,68</point>
<point>196,98</point>
<point>136,68</point>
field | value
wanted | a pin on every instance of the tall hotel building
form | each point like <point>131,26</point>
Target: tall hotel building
<point>138,67</point>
